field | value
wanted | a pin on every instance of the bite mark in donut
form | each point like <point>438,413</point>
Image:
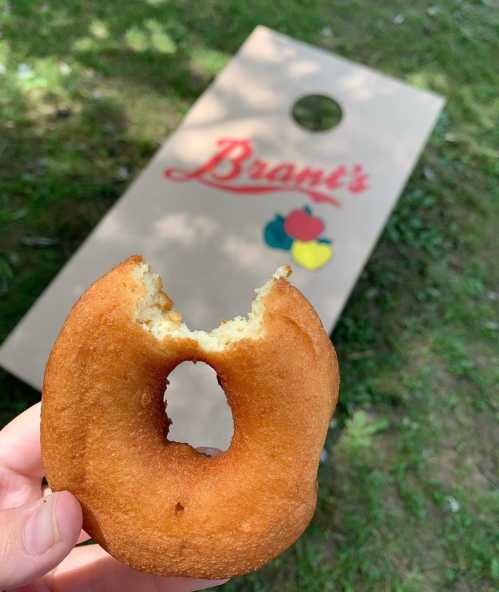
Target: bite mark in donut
<point>156,314</point>
<point>162,506</point>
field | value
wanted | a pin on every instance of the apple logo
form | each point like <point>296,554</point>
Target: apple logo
<point>275,235</point>
<point>301,225</point>
<point>300,233</point>
<point>311,254</point>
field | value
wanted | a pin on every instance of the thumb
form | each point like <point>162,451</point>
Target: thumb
<point>36,537</point>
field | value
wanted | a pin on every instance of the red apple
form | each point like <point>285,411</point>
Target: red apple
<point>301,225</point>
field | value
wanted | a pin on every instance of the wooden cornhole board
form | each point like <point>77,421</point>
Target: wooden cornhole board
<point>240,189</point>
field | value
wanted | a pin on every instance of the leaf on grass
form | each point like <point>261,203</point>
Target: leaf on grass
<point>360,428</point>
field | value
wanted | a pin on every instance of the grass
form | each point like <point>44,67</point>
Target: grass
<point>408,495</point>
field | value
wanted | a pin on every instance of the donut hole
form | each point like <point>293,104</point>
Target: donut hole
<point>197,407</point>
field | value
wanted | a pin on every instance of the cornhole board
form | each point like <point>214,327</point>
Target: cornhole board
<point>240,189</point>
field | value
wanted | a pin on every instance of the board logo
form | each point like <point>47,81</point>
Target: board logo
<point>235,168</point>
<point>301,233</point>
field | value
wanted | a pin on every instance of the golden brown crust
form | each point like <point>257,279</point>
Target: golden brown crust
<point>163,507</point>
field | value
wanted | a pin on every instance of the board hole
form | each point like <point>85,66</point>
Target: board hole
<point>316,113</point>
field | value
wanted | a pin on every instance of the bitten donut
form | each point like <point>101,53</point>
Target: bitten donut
<point>161,506</point>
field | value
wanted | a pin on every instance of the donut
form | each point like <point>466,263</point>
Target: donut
<point>162,506</point>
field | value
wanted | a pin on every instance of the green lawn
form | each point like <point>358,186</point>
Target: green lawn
<point>408,495</point>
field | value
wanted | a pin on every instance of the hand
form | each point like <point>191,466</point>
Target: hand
<point>38,532</point>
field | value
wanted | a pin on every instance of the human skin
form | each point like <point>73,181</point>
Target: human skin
<point>39,530</point>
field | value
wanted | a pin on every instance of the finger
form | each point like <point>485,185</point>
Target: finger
<point>83,537</point>
<point>35,538</point>
<point>209,451</point>
<point>91,568</point>
<point>20,444</point>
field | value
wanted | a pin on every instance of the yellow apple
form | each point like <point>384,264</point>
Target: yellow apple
<point>311,254</point>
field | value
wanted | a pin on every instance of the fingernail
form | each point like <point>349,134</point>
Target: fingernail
<point>208,451</point>
<point>40,532</point>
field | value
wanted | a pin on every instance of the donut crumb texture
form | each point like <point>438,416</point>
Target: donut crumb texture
<point>157,316</point>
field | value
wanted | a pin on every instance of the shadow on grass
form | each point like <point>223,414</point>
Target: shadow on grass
<point>59,177</point>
